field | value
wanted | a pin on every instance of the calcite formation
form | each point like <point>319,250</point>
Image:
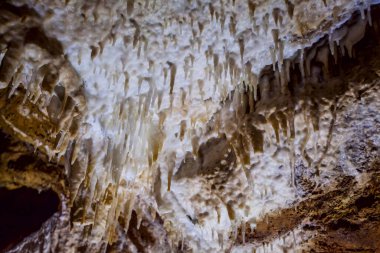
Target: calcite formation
<point>191,126</point>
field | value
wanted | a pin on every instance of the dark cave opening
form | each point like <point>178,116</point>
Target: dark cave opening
<point>22,212</point>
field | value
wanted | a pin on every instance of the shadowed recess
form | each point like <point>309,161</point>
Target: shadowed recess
<point>22,212</point>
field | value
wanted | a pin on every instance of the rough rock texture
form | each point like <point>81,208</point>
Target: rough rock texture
<point>190,126</point>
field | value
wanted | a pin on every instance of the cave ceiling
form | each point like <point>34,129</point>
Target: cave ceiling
<point>189,126</point>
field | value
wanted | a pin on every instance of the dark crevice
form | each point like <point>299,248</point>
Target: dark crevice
<point>343,224</point>
<point>22,212</point>
<point>5,141</point>
<point>22,162</point>
<point>365,201</point>
<point>37,36</point>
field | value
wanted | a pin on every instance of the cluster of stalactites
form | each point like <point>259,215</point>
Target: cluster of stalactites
<point>48,85</point>
<point>143,141</point>
<point>138,122</point>
<point>104,181</point>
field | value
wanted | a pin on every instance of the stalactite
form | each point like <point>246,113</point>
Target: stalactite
<point>276,12</point>
<point>130,6</point>
<point>159,100</point>
<point>336,36</point>
<point>280,55</point>
<point>182,129</point>
<point>302,62</point>
<point>354,35</point>
<point>274,122</point>
<point>369,16</point>
<point>212,10</point>
<point>195,143</point>
<point>283,122</point>
<point>173,71</point>
<point>220,240</point>
<point>243,231</point>
<point>230,211</point>
<point>251,8</point>
<point>183,97</point>
<point>128,210</point>
<point>284,81</point>
<point>241,46</point>
<point>170,160</point>
<point>323,57</point>
<point>16,80</point>
<point>126,83</point>
<point>137,130</point>
<point>273,56</point>
<point>310,56</point>
<point>222,21</point>
<point>186,66</point>
<point>200,86</point>
<point>101,47</point>
<point>171,102</point>
<point>232,26</point>
<point>289,8</point>
<point>136,35</point>
<point>265,23</point>
<point>275,35</point>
